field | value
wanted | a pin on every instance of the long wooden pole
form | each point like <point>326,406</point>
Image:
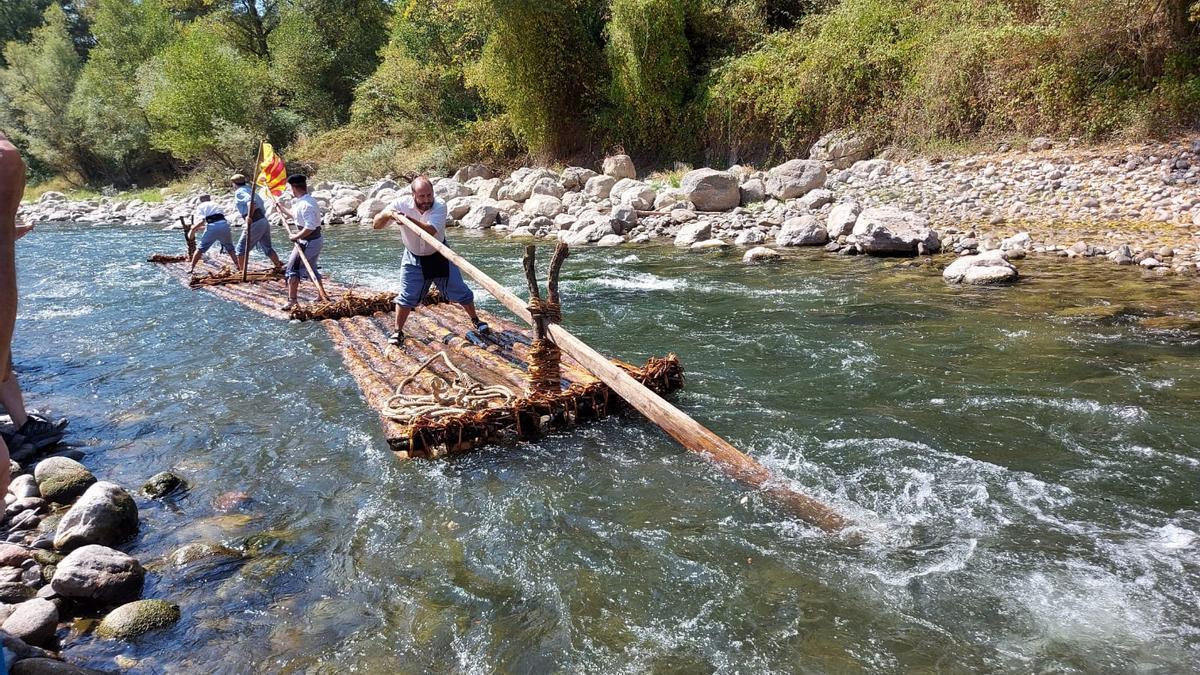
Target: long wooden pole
<point>687,431</point>
<point>300,252</point>
<point>250,211</point>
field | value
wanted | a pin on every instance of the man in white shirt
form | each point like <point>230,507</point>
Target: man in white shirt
<point>309,239</point>
<point>210,218</point>
<point>422,265</point>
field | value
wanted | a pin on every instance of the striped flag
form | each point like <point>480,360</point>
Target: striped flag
<point>272,174</point>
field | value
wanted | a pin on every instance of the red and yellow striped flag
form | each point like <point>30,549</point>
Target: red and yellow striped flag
<point>272,174</point>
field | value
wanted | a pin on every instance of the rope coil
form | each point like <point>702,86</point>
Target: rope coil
<point>460,396</point>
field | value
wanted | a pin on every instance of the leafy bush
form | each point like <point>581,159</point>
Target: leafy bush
<point>647,53</point>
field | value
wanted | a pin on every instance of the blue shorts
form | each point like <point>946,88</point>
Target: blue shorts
<point>217,232</point>
<point>295,268</point>
<point>260,236</point>
<point>414,285</point>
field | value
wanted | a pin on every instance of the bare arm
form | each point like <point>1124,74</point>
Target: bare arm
<point>381,221</point>
<point>12,187</point>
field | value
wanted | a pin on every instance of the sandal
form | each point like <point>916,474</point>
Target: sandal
<point>396,339</point>
<point>483,328</point>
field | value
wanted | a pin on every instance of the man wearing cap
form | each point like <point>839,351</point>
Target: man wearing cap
<point>258,228</point>
<point>210,218</point>
<point>309,239</point>
<point>422,264</point>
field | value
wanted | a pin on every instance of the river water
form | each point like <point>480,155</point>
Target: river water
<point>1025,462</point>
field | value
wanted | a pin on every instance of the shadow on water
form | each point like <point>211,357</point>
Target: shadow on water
<point>1026,458</point>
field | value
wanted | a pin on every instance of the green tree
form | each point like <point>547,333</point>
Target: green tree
<point>18,18</point>
<point>105,103</point>
<point>542,63</point>
<point>36,89</point>
<point>647,53</point>
<point>204,98</point>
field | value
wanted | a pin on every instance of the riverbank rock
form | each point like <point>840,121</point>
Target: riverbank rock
<point>62,480</point>
<point>795,178</point>
<point>15,592</point>
<point>137,618</point>
<point>982,269</point>
<point>34,621</point>
<point>619,166</point>
<point>692,233</point>
<point>470,171</point>
<point>599,187</point>
<point>842,218</point>
<point>480,217</point>
<point>104,515</point>
<point>711,190</point>
<point>760,254</point>
<point>162,484</point>
<point>24,486</point>
<point>841,148</point>
<point>888,231</point>
<point>802,231</point>
<point>99,574</point>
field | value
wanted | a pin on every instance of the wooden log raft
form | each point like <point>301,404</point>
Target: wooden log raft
<point>498,359</point>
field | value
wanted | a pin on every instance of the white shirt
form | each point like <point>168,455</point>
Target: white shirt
<point>206,209</point>
<point>307,212</point>
<point>435,217</point>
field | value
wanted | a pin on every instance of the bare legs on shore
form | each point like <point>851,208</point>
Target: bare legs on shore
<point>12,187</point>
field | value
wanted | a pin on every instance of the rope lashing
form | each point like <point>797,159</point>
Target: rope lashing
<point>545,370</point>
<point>460,396</point>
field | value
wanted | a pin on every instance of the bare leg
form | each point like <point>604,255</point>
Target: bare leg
<point>195,259</point>
<point>275,259</point>
<point>12,400</point>
<point>12,187</point>
<point>237,262</point>
<point>470,307</point>
<point>293,288</point>
<point>401,317</point>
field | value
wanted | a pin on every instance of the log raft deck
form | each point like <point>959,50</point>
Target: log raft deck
<point>502,358</point>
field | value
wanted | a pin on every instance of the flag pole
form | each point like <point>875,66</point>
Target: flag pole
<point>250,213</point>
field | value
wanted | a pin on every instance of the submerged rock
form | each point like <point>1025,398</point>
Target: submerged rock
<point>760,254</point>
<point>105,515</point>
<point>137,618</point>
<point>99,574</point>
<point>47,666</point>
<point>202,550</point>
<point>983,269</point>
<point>61,480</point>
<point>162,484</point>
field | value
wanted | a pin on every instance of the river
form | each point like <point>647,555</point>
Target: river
<point>1025,461</point>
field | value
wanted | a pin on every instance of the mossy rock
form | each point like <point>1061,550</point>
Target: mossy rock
<point>137,618</point>
<point>61,479</point>
<point>44,558</point>
<point>162,484</point>
<point>202,550</point>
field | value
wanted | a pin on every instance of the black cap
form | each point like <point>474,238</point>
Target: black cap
<point>299,180</point>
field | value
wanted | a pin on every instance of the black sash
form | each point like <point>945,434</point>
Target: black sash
<point>214,218</point>
<point>316,234</point>
<point>434,265</point>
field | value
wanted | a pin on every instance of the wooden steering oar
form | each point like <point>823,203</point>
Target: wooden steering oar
<point>687,431</point>
<point>299,250</point>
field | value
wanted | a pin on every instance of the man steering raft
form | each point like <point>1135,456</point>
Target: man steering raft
<point>258,228</point>
<point>422,265</point>
<point>309,239</point>
<point>210,218</point>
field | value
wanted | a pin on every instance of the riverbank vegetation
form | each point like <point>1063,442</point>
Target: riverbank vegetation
<point>124,92</point>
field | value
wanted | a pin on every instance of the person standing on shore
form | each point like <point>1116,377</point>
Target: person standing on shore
<point>310,240</point>
<point>422,265</point>
<point>258,229</point>
<point>210,218</point>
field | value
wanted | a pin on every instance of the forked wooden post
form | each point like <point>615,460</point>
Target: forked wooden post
<point>687,431</point>
<point>187,237</point>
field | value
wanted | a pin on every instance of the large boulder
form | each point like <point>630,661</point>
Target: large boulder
<point>543,205</point>
<point>842,218</point>
<point>802,231</point>
<point>547,185</point>
<point>621,186</point>
<point>446,189</point>
<point>588,230</point>
<point>371,207</point>
<point>693,233</point>
<point>480,217</point>
<point>619,166</point>
<point>711,190</point>
<point>104,515</point>
<point>61,479</point>
<point>986,268</point>
<point>346,205</point>
<point>599,187</point>
<point>795,178</point>
<point>489,189</point>
<point>470,171</point>
<point>639,196</point>
<point>98,574</point>
<point>841,148</point>
<point>753,191</point>
<point>890,231</point>
<point>136,618</point>
<point>34,621</point>
<point>459,206</point>
<point>575,177</point>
